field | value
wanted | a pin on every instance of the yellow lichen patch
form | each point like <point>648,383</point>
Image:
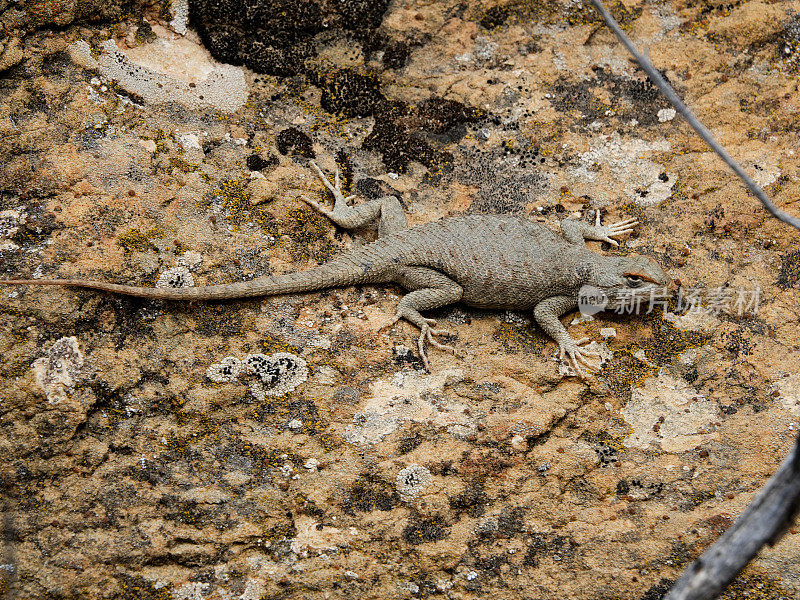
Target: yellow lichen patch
<point>237,208</point>
<point>668,341</point>
<point>235,200</point>
<point>753,584</point>
<point>542,11</point>
<point>309,232</point>
<point>136,587</point>
<point>516,338</point>
<point>625,370</point>
<point>583,13</point>
<point>615,442</point>
<point>136,239</point>
<point>181,165</point>
<point>270,345</point>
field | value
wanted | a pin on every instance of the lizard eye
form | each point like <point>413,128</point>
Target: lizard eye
<point>633,281</point>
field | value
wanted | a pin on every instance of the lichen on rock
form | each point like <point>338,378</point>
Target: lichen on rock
<point>175,277</point>
<point>226,370</point>
<point>223,86</point>
<point>10,221</point>
<point>58,372</point>
<point>277,374</point>
<point>668,414</point>
<point>493,475</point>
<point>412,481</point>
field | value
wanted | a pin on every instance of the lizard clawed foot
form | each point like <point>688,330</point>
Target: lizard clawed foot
<point>606,233</point>
<point>426,335</point>
<point>576,354</point>
<point>316,206</point>
<point>335,188</point>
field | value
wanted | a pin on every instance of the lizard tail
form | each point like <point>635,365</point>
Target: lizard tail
<point>337,273</point>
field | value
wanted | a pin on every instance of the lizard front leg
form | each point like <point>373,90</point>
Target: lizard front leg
<point>577,231</point>
<point>387,210</point>
<point>547,314</point>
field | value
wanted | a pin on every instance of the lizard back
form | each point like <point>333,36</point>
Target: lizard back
<point>499,261</point>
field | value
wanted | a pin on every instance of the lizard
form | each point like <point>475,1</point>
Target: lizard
<point>484,261</point>
<point>479,260</point>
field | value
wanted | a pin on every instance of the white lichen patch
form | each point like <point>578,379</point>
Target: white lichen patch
<point>58,372</point>
<point>168,70</point>
<point>191,260</point>
<point>189,141</point>
<point>666,114</point>
<point>313,535</point>
<point>10,220</point>
<point>408,397</point>
<point>668,414</point>
<point>276,374</point>
<point>699,320</point>
<point>175,277</point>
<point>412,481</point>
<point>180,16</point>
<point>191,591</point>
<point>789,390</point>
<point>608,333</point>
<point>227,369</point>
<point>280,373</point>
<point>612,162</point>
<point>763,169</point>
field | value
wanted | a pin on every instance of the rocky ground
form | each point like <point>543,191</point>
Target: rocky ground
<point>293,447</point>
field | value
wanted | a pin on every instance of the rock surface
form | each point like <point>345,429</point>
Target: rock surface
<point>144,449</point>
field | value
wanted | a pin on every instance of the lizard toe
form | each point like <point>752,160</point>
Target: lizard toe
<point>576,366</point>
<point>573,354</point>
<point>421,347</point>
<point>436,344</point>
<point>316,206</point>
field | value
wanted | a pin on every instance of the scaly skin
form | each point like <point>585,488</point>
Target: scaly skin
<point>484,261</point>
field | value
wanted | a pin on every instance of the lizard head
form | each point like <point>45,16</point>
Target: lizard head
<point>625,279</point>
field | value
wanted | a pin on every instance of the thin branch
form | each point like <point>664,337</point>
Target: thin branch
<point>687,114</point>
<point>763,522</point>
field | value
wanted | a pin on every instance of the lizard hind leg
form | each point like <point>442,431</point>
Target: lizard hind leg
<point>431,290</point>
<point>386,210</point>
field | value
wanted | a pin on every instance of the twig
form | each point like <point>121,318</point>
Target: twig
<point>764,521</point>
<point>687,114</point>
